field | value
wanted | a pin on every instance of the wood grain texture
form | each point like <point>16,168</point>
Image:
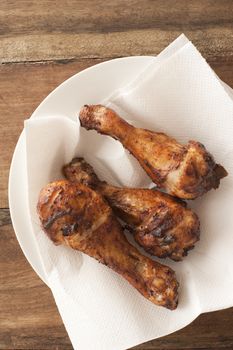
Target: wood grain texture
<point>42,43</point>
<point>52,30</point>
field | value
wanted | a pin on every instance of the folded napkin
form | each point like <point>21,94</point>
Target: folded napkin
<point>179,94</point>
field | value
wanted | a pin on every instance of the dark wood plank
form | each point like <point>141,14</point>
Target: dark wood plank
<point>47,30</point>
<point>96,16</point>
<point>24,86</point>
<point>29,318</point>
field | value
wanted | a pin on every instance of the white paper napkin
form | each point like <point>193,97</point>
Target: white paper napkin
<point>179,94</point>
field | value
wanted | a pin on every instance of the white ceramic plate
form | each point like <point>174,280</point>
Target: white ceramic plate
<point>91,85</point>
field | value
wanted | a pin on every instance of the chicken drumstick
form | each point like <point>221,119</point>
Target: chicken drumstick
<point>161,224</point>
<point>75,215</point>
<point>183,171</point>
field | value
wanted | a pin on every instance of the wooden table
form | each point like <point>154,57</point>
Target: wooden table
<point>42,43</point>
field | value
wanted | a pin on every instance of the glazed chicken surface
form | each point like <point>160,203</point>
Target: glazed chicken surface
<point>75,215</point>
<point>185,171</point>
<point>161,224</point>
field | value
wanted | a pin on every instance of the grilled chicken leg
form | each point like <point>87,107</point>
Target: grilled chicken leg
<point>161,224</point>
<point>183,171</point>
<point>77,216</point>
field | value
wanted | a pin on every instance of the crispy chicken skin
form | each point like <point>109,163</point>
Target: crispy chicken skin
<point>185,171</point>
<point>75,215</point>
<point>161,224</point>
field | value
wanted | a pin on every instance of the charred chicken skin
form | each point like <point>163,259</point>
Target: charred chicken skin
<point>185,171</point>
<point>75,215</point>
<point>161,224</point>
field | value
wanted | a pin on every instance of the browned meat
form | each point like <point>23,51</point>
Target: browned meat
<point>183,171</point>
<point>75,215</point>
<point>161,224</point>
